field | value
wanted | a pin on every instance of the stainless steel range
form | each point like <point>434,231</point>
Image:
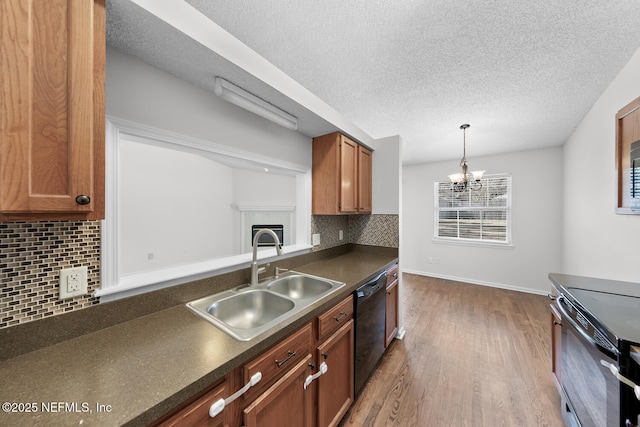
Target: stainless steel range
<point>599,368</point>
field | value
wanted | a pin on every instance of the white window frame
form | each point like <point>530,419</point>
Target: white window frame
<point>507,244</point>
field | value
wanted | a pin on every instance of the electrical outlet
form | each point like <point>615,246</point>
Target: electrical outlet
<point>315,239</point>
<point>73,282</point>
<point>340,235</point>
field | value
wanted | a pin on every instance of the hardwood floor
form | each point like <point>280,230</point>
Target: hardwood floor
<point>472,356</point>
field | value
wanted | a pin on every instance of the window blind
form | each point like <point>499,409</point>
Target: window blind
<point>476,215</point>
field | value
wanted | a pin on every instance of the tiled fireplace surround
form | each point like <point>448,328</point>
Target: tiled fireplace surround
<point>32,254</point>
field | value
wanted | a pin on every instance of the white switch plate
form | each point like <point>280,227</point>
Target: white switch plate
<point>315,239</point>
<point>73,282</point>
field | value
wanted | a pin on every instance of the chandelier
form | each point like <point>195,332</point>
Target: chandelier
<point>465,181</point>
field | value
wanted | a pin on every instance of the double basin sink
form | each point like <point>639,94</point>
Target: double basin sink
<point>247,311</point>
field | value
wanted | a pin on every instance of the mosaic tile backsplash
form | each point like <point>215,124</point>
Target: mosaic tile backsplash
<point>378,230</point>
<point>31,256</point>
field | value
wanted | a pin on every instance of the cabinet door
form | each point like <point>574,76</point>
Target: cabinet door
<point>364,180</point>
<point>348,175</point>
<point>391,324</point>
<point>556,344</point>
<point>335,387</point>
<point>52,109</point>
<point>286,403</point>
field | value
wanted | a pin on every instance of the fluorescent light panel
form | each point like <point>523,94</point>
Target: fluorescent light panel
<point>240,97</point>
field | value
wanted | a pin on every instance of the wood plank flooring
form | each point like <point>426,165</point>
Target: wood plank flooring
<point>472,356</point>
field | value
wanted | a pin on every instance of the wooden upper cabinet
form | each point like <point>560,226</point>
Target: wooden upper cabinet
<point>348,175</point>
<point>364,180</point>
<point>341,176</point>
<point>52,109</point>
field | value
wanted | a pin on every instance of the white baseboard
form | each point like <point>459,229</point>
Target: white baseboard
<point>476,282</point>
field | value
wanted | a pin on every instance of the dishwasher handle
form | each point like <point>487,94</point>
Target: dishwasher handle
<point>372,286</point>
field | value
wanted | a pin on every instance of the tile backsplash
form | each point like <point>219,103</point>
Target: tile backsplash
<point>31,256</point>
<point>377,230</point>
<point>328,227</point>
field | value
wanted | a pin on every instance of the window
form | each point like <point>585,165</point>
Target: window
<point>476,217</point>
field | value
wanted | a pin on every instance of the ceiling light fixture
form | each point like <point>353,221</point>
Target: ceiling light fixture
<point>464,181</point>
<point>240,97</point>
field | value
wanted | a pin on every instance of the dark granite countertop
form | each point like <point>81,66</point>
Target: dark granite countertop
<point>567,281</point>
<point>142,368</point>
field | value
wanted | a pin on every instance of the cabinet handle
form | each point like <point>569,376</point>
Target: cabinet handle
<point>290,354</point>
<point>83,199</point>
<point>325,355</point>
<point>555,322</point>
<point>342,314</point>
<point>551,297</point>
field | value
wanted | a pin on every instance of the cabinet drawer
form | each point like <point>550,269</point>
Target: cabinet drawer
<point>335,317</point>
<point>197,413</point>
<point>392,274</point>
<point>279,359</point>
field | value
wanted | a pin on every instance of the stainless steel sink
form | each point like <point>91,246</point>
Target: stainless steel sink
<point>299,286</point>
<point>248,311</point>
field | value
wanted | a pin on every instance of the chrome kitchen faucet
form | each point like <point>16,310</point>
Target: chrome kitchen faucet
<point>255,270</point>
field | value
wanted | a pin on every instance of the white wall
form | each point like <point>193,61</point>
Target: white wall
<point>160,185</point>
<point>386,170</point>
<point>138,93</point>
<point>270,191</point>
<point>597,241</point>
<point>264,189</point>
<point>536,223</point>
<point>143,94</point>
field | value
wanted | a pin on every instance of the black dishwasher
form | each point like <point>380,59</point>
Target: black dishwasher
<point>369,312</point>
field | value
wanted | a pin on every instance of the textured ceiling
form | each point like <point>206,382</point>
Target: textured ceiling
<point>523,74</point>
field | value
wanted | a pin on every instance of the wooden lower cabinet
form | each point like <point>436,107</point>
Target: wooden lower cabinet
<point>556,339</point>
<point>391,313</point>
<point>335,387</point>
<point>280,399</point>
<point>197,413</point>
<point>286,403</point>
